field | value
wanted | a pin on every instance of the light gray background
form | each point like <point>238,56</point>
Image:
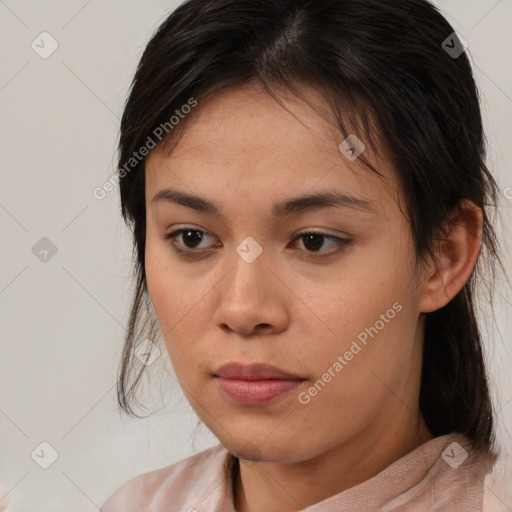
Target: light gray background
<point>63,321</point>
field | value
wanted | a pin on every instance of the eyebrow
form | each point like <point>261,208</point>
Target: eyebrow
<point>282,209</point>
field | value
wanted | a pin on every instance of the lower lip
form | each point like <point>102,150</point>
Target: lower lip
<point>256,392</point>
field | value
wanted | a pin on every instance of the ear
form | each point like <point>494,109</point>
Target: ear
<point>456,257</point>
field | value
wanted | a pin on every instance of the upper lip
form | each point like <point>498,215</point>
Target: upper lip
<point>254,371</point>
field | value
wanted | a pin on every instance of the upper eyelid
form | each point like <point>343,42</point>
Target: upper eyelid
<point>318,231</point>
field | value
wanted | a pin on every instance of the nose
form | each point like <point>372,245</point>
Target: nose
<point>252,299</point>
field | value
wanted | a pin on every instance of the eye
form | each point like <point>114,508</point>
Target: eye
<point>192,242</point>
<point>314,241</point>
<point>191,238</point>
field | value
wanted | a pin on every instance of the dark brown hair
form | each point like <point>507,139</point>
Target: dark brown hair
<point>384,73</point>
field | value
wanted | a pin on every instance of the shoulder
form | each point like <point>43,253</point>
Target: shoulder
<point>455,472</point>
<point>498,490</point>
<point>181,483</point>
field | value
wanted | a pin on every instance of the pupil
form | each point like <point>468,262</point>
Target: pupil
<point>196,239</point>
<point>317,241</point>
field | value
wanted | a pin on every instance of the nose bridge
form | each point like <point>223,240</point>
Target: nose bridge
<point>249,269</point>
<point>248,297</point>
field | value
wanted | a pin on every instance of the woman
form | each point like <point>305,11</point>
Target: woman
<point>307,191</point>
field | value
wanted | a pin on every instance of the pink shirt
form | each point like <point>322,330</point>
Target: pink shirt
<point>442,475</point>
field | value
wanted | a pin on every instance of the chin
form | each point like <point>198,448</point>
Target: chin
<point>254,449</point>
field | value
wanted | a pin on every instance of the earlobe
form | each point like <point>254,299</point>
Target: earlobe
<point>456,257</point>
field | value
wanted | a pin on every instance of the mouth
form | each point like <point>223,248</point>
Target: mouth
<point>255,384</point>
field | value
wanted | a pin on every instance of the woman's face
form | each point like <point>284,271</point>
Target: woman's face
<point>339,310</point>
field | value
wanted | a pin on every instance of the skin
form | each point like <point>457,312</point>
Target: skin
<point>296,306</point>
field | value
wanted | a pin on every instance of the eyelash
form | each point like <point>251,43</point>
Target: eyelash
<point>191,253</point>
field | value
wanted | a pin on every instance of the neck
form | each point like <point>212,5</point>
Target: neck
<point>273,487</point>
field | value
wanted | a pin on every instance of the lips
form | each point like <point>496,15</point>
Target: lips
<point>255,384</point>
<point>255,371</point>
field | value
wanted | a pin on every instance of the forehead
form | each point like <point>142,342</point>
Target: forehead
<point>243,140</point>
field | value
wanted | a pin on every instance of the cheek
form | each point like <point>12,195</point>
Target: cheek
<point>371,313</point>
<point>161,286</point>
<point>167,292</point>
<point>355,300</point>
<point>179,301</point>
<point>170,289</point>
<point>360,367</point>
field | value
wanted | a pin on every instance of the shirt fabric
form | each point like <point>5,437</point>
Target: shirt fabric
<point>444,474</point>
